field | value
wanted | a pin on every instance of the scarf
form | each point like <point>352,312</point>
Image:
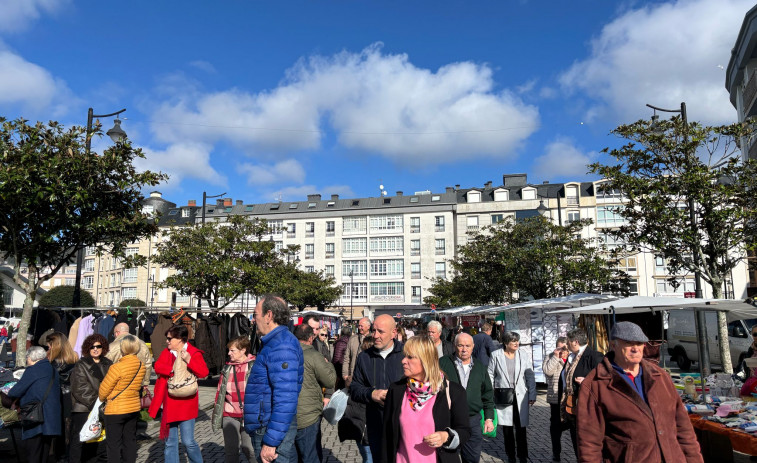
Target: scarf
<point>418,393</point>
<point>568,392</point>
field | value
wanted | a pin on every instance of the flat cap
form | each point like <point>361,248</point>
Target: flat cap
<point>628,331</point>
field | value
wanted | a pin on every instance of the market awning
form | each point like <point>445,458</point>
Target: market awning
<point>573,300</point>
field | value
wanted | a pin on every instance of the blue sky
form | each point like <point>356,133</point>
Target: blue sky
<point>263,99</point>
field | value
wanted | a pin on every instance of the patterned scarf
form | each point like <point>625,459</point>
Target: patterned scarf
<point>418,393</point>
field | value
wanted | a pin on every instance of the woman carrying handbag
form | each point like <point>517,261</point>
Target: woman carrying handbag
<point>512,376</point>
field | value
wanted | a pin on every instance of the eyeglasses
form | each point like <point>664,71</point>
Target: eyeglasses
<point>323,335</point>
<point>168,339</point>
<point>754,334</point>
<point>96,346</point>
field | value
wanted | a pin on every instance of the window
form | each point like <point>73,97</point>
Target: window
<point>415,270</point>
<point>388,268</point>
<point>309,229</point>
<point>130,275</point>
<point>355,202</point>
<point>7,295</point>
<point>415,297</point>
<point>609,216</point>
<point>473,196</point>
<point>278,246</point>
<point>609,194</point>
<point>501,195</point>
<point>611,242</point>
<point>330,270</point>
<point>415,224</point>
<point>355,290</point>
<point>293,206</point>
<point>309,251</point>
<point>329,250</point>
<point>181,298</point>
<point>291,230</point>
<point>185,212</point>
<point>659,266</point>
<point>310,269</point>
<point>148,209</point>
<point>130,252</point>
<point>387,200</point>
<point>528,193</point>
<point>388,291</point>
<point>89,265</point>
<point>70,281</point>
<point>472,221</point>
<point>90,250</point>
<point>352,225</point>
<point>439,247</point>
<point>441,270</point>
<point>571,193</point>
<point>88,282</point>
<point>628,265</point>
<point>359,268</point>
<point>275,206</point>
<point>330,204</point>
<point>497,218</point>
<point>128,293</point>
<point>311,205</point>
<point>684,286</point>
<point>436,198</point>
<point>381,223</point>
<point>354,246</point>
<point>387,245</point>
<point>275,227</point>
<point>413,199</point>
<point>415,247</point>
<point>330,227</point>
<point>439,223</point>
<point>70,270</point>
<point>574,216</point>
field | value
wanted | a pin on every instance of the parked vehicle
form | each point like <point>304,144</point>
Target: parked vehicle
<point>682,338</point>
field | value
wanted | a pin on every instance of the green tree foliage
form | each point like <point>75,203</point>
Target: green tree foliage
<point>218,262</point>
<point>57,198</point>
<point>309,289</point>
<point>659,170</point>
<point>532,258</point>
<point>132,303</point>
<point>63,296</point>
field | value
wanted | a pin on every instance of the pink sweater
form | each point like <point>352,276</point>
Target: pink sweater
<point>414,425</point>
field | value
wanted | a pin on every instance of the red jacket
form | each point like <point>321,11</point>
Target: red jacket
<point>175,409</point>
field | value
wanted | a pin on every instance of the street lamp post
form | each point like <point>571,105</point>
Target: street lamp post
<point>117,135</point>
<point>352,291</point>
<point>703,349</point>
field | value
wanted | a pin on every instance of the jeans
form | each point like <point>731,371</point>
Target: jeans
<point>121,437</point>
<point>471,451</point>
<point>365,452</point>
<point>308,443</point>
<point>513,433</point>
<point>286,450</point>
<point>187,429</point>
<point>234,437</point>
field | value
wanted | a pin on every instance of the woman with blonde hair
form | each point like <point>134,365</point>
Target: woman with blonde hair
<point>425,416</point>
<point>120,391</point>
<point>62,356</point>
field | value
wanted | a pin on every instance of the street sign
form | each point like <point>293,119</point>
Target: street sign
<point>689,295</point>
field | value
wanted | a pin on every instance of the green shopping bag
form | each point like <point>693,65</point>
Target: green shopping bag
<point>494,432</point>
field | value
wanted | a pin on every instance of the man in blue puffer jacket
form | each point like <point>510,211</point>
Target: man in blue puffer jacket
<point>270,398</point>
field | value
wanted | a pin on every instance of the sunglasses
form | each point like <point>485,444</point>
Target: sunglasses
<point>168,339</point>
<point>754,334</point>
<point>322,335</point>
<point>96,346</point>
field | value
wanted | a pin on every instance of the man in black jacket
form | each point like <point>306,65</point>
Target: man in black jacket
<point>375,370</point>
<point>443,347</point>
<point>581,360</point>
<point>483,345</point>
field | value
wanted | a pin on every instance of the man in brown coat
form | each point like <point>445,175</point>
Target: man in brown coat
<point>353,348</point>
<point>629,410</point>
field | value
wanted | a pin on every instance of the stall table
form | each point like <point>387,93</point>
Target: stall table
<point>718,442</point>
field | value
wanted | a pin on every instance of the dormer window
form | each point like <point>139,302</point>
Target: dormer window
<point>571,194</point>
<point>528,193</point>
<point>474,196</point>
<point>501,194</point>
<point>148,209</point>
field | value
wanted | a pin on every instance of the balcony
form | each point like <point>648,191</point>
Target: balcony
<point>415,252</point>
<point>472,228</point>
<point>415,275</point>
<point>329,232</point>
<point>309,234</point>
<point>415,229</point>
<point>415,299</point>
<point>329,254</point>
<point>291,234</point>
<point>439,251</point>
<point>309,255</point>
<point>572,200</point>
<point>440,228</point>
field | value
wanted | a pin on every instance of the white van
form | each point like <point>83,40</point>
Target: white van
<point>682,338</point>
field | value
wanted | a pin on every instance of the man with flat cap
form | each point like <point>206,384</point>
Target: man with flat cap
<point>629,410</point>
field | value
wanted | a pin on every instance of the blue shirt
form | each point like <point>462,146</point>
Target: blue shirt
<point>637,383</point>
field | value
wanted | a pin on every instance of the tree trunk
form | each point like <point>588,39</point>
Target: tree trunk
<point>23,328</point>
<point>723,345</point>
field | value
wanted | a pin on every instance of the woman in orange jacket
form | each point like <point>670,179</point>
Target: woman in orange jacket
<point>121,388</point>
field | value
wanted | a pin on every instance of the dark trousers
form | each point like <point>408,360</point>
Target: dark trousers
<point>556,428</point>
<point>79,451</point>
<point>471,451</point>
<point>38,448</point>
<point>121,437</point>
<point>515,433</point>
<point>375,439</point>
<point>573,437</point>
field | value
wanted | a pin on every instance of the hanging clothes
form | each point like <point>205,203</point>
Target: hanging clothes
<point>204,342</point>
<point>86,327</point>
<point>158,337</point>
<point>128,317</point>
<point>217,329</point>
<point>105,327</point>
<point>239,325</point>
<point>73,333</point>
<point>148,326</point>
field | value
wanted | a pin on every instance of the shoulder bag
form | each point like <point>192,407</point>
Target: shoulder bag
<point>101,416</point>
<point>32,414</point>
<point>505,396</point>
<point>182,383</point>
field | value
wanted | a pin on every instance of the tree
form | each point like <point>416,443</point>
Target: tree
<point>669,167</point>
<point>63,296</point>
<point>532,258</point>
<point>309,289</point>
<point>132,303</point>
<point>58,198</point>
<point>218,262</point>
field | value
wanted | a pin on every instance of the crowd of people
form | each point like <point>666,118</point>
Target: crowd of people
<point>414,394</point>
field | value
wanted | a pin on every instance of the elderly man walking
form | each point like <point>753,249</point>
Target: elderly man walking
<point>443,347</point>
<point>629,410</point>
<point>470,373</point>
<point>353,349</point>
<point>376,369</point>
<point>273,387</point>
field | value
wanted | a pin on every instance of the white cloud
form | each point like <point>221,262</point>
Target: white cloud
<point>288,170</point>
<point>203,66</point>
<point>300,193</point>
<point>661,54</point>
<point>180,161</point>
<point>31,86</point>
<point>373,101</point>
<point>562,160</point>
<point>18,14</point>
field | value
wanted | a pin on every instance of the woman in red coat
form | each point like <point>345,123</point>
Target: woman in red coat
<point>179,413</point>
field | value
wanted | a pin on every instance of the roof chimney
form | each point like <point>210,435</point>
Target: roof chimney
<point>450,189</point>
<point>546,182</point>
<point>219,202</point>
<point>488,184</point>
<point>227,202</point>
<point>240,202</point>
<point>314,197</point>
<point>511,180</point>
<point>192,202</point>
<point>457,187</point>
<point>399,193</point>
<point>334,197</point>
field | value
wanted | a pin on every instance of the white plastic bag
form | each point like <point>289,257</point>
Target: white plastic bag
<point>93,429</point>
<point>337,405</point>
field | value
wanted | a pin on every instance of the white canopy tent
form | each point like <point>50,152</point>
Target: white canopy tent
<point>573,300</point>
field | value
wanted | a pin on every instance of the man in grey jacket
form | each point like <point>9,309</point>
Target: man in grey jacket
<point>353,348</point>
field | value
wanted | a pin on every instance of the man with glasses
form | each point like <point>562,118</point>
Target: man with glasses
<point>320,344</point>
